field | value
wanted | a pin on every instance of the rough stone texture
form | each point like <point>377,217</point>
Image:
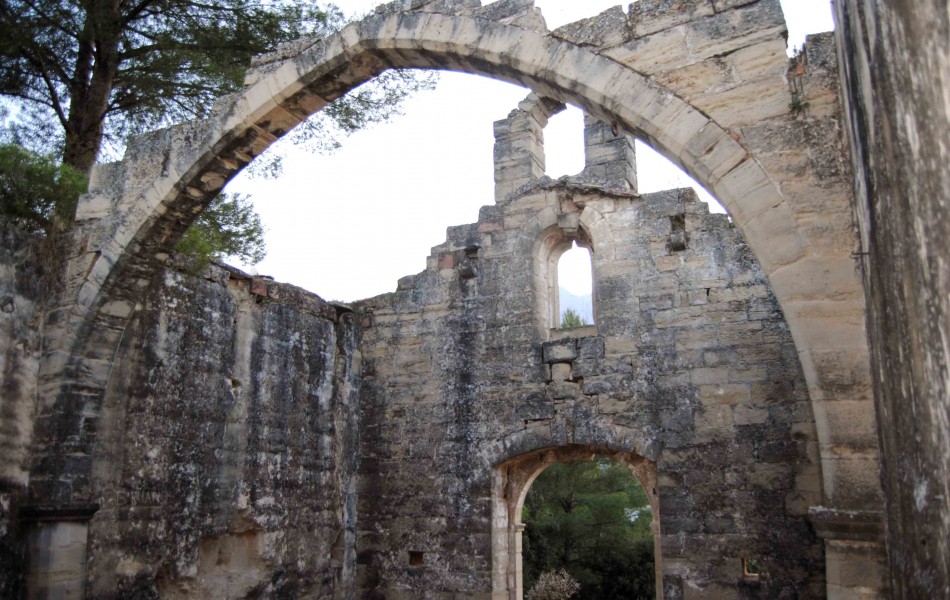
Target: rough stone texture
<point>226,459</point>
<point>794,215</point>
<point>896,73</point>
<point>690,367</point>
<point>709,86</point>
<point>22,291</point>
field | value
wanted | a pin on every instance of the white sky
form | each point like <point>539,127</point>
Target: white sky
<point>348,225</point>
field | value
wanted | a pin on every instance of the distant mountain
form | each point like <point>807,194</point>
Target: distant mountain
<point>582,305</point>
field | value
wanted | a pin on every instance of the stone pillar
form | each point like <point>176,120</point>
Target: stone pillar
<point>519,561</point>
<point>519,144</point>
<point>56,552</point>
<point>855,561</point>
<point>519,152</point>
<point>609,156</point>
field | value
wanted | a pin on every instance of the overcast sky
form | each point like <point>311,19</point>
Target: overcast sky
<point>348,225</point>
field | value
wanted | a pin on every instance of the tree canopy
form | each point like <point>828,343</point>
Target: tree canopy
<point>82,73</point>
<point>77,75</point>
<point>591,519</point>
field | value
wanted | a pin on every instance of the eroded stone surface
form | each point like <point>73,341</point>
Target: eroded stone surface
<point>22,293</point>
<point>227,460</point>
<point>690,367</point>
<point>707,84</point>
<point>896,74</point>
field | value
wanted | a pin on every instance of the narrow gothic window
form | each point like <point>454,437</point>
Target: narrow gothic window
<point>575,288</point>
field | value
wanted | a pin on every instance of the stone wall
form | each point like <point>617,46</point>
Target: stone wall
<point>690,366</point>
<point>225,461</point>
<point>708,84</point>
<point>22,292</point>
<point>168,409</point>
<point>896,71</point>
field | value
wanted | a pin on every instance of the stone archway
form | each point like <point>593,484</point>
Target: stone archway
<point>658,76</point>
<point>511,482</point>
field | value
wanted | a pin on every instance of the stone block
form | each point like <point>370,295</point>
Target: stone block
<point>650,16</point>
<point>609,28</point>
<point>732,30</point>
<point>723,5</point>
<point>727,394</point>
<point>713,74</point>
<point>594,386</point>
<point>747,415</point>
<point>561,372</point>
<point>853,566</point>
<point>654,54</point>
<point>563,390</point>
<point>559,351</point>
<point>759,100</point>
<point>707,376</point>
<point>591,348</point>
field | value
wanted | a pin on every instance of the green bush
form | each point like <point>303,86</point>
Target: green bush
<point>227,227</point>
<point>571,318</point>
<point>36,192</point>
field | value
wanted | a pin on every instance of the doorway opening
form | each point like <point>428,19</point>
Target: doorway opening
<point>591,522</point>
<point>588,512</point>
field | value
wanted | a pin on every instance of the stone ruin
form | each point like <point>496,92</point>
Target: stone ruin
<point>178,436</point>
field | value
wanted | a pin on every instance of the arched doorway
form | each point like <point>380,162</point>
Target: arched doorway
<point>590,521</point>
<point>511,483</point>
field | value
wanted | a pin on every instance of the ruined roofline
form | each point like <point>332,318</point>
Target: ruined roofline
<point>574,184</point>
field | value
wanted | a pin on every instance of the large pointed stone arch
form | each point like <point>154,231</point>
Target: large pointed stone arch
<point>799,230</point>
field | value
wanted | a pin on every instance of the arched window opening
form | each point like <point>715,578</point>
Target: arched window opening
<point>568,240</point>
<point>564,143</point>
<point>575,288</point>
<point>590,522</point>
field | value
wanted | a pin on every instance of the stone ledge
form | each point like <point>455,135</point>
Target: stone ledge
<point>67,512</point>
<point>849,525</point>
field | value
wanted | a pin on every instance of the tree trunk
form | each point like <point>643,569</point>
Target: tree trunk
<point>95,72</point>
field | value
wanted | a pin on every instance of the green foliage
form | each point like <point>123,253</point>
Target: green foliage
<point>37,193</point>
<point>593,520</point>
<point>227,227</point>
<point>571,318</point>
<point>798,106</point>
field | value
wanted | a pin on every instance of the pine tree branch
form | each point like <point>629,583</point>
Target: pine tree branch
<point>137,11</point>
<point>54,100</point>
<point>51,21</point>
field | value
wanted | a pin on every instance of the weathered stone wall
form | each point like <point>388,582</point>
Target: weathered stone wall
<point>896,71</point>
<point>225,461</point>
<point>22,292</point>
<point>708,84</point>
<point>690,365</point>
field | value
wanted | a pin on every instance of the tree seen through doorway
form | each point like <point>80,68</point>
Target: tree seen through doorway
<point>593,520</point>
